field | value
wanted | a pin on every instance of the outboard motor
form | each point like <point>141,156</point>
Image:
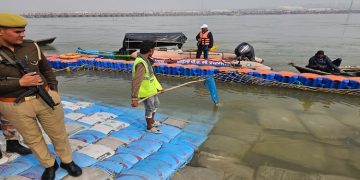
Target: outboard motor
<point>245,52</point>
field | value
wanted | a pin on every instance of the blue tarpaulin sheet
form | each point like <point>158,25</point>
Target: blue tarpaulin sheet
<point>140,155</point>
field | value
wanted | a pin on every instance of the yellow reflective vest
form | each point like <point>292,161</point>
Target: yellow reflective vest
<point>149,85</point>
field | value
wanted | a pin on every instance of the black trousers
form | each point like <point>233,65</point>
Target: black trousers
<point>337,63</point>
<point>201,49</point>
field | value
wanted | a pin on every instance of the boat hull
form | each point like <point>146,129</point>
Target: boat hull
<point>349,70</point>
<point>44,42</point>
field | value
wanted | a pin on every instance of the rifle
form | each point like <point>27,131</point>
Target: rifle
<point>40,90</point>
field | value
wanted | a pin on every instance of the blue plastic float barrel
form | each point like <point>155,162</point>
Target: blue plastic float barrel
<point>307,79</point>
<point>286,76</point>
<point>208,70</point>
<point>188,69</point>
<point>336,80</point>
<point>128,66</point>
<point>255,74</point>
<point>195,71</point>
<point>172,69</point>
<point>117,65</point>
<point>156,67</point>
<point>349,84</point>
<point>268,75</point>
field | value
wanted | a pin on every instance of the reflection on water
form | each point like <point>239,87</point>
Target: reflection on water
<point>281,129</point>
<point>290,129</point>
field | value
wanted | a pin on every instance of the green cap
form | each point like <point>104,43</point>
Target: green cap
<point>12,20</point>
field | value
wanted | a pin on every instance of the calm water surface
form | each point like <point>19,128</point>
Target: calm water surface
<point>255,126</point>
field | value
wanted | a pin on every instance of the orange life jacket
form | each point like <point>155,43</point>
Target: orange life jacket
<point>204,38</point>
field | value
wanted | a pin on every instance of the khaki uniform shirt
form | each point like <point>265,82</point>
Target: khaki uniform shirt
<point>10,75</point>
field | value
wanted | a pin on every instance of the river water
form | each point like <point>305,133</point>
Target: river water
<point>255,127</point>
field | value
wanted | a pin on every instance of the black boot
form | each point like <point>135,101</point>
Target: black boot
<point>49,173</point>
<point>148,123</point>
<point>0,154</point>
<point>13,146</point>
<point>72,168</point>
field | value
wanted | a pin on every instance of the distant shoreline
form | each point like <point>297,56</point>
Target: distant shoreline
<point>189,13</point>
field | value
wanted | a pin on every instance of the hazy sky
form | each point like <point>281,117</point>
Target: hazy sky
<point>21,6</point>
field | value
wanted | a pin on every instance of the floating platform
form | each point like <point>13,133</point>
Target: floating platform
<point>112,143</point>
<point>302,81</point>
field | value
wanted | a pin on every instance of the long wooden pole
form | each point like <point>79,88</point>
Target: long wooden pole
<point>174,87</point>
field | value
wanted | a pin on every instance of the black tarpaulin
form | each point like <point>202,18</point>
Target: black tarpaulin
<point>133,40</point>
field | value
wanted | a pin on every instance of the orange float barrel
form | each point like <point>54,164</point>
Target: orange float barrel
<point>70,56</point>
<point>355,79</point>
<point>244,70</point>
<point>68,63</point>
<point>226,69</point>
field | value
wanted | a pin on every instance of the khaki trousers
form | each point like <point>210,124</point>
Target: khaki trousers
<point>25,116</point>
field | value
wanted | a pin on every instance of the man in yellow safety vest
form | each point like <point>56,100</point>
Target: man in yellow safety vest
<point>145,84</point>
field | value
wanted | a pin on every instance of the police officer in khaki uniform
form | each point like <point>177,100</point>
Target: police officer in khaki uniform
<point>26,114</point>
<point>12,144</point>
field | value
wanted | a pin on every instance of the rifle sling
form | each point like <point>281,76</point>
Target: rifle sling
<point>4,55</point>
